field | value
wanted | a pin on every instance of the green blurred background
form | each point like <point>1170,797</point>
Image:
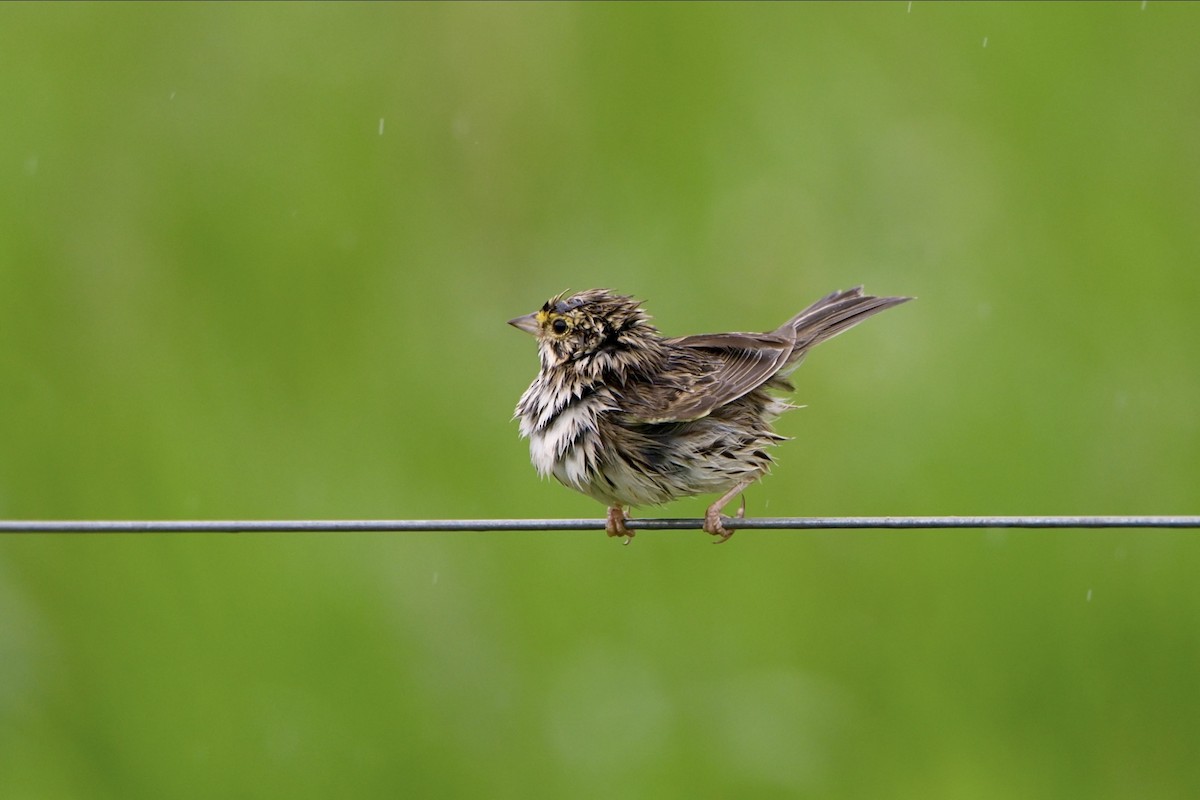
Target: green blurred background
<point>255,262</point>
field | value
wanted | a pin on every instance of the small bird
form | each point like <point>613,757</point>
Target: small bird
<point>632,418</point>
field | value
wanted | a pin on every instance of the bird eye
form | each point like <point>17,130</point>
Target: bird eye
<point>559,326</point>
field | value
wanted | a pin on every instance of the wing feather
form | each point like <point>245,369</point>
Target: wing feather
<point>705,372</point>
<point>711,370</point>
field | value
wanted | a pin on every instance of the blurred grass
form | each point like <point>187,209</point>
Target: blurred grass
<point>255,262</point>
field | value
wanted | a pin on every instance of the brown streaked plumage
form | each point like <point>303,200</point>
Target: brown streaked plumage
<point>632,418</point>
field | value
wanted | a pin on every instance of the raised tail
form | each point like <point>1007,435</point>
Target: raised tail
<point>835,313</point>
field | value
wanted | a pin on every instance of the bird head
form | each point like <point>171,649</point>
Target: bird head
<point>594,325</point>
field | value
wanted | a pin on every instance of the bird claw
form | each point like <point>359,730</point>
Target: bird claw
<point>713,525</point>
<point>713,521</point>
<point>614,524</point>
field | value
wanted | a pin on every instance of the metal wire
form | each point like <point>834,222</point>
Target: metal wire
<point>410,525</point>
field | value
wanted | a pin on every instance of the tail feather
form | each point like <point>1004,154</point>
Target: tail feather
<point>835,313</point>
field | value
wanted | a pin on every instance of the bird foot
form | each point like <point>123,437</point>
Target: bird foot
<point>614,524</point>
<point>713,517</point>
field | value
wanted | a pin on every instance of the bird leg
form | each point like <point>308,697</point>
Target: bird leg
<point>712,517</point>
<point>614,524</point>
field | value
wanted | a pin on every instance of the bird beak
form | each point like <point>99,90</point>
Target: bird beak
<point>527,323</point>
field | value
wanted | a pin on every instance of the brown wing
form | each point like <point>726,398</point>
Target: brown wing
<point>708,371</point>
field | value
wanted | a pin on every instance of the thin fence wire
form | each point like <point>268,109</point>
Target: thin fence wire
<point>419,525</point>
